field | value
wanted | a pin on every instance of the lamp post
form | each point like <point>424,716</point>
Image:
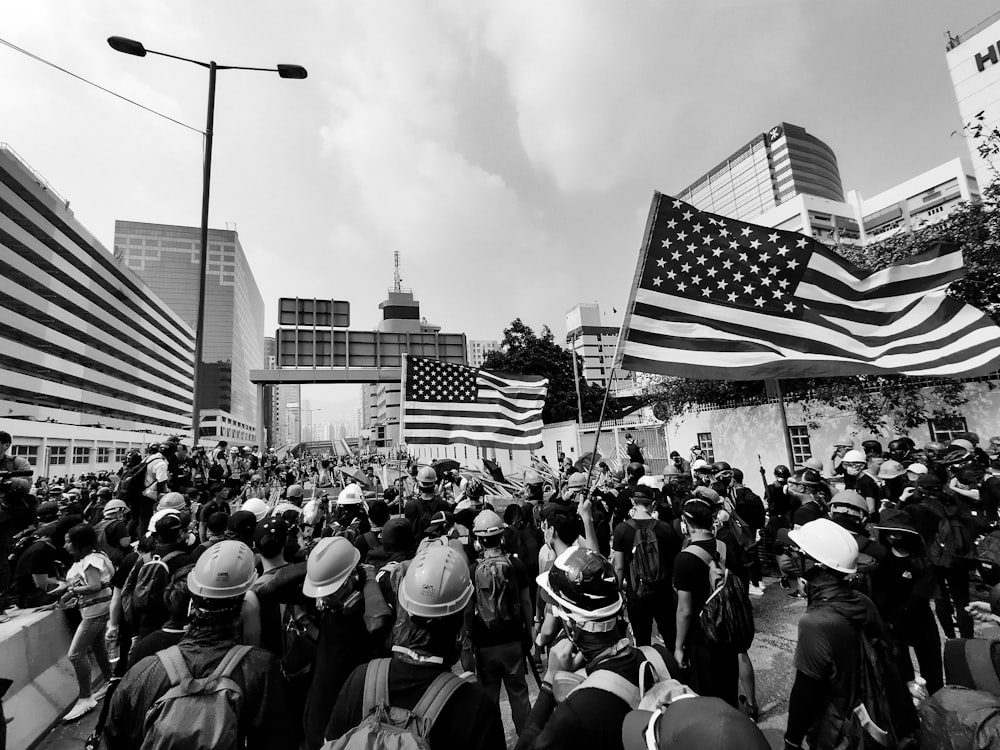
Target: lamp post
<point>132,47</point>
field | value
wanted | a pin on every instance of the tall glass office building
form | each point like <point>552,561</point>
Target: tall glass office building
<point>167,258</point>
<point>83,341</point>
<point>773,167</point>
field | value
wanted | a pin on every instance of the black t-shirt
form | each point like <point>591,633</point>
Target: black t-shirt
<point>470,719</point>
<point>901,586</point>
<point>866,486</point>
<point>806,513</point>
<point>513,632</point>
<point>691,574</point>
<point>666,539</point>
<point>39,559</point>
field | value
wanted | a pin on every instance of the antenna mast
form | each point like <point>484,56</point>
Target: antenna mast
<point>397,280</point>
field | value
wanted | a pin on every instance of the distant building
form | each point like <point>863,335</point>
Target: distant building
<point>93,362</point>
<point>479,348</point>
<point>766,172</point>
<point>923,200</point>
<point>596,343</point>
<point>973,59</point>
<point>167,258</point>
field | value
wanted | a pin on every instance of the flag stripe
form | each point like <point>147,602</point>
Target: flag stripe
<point>492,429</point>
<point>937,259</point>
<point>414,412</point>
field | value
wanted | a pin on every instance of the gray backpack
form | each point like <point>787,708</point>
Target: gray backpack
<point>196,713</point>
<point>387,728</point>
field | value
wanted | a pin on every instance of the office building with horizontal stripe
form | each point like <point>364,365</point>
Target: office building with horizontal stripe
<point>84,341</point>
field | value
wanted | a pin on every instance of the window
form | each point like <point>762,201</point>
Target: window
<point>705,443</point>
<point>801,450</point>
<point>943,430</point>
<point>57,454</point>
<point>29,452</point>
<point>81,455</point>
<point>120,454</point>
<point>103,455</point>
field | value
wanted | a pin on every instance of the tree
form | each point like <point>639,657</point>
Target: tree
<point>523,352</point>
<point>894,402</point>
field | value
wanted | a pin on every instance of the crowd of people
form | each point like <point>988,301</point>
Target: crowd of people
<point>231,599</point>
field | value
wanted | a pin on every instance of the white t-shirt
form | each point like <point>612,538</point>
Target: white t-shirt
<point>77,576</point>
<point>157,470</point>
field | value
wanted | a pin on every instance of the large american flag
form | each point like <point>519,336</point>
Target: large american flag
<point>447,403</point>
<point>722,299</point>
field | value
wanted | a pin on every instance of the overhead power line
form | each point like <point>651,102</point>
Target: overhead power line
<point>33,56</point>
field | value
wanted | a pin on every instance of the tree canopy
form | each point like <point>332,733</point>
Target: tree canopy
<point>526,353</point>
<point>895,402</point>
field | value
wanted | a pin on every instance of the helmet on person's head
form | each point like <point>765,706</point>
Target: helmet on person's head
<point>871,447</point>
<point>474,488</point>
<point>896,446</point>
<point>782,471</point>
<point>352,494</point>
<point>962,443</point>
<point>855,457</point>
<point>829,544</point>
<point>47,512</point>
<point>806,477</point>
<point>707,495</point>
<point>577,482</point>
<point>916,469</point>
<point>330,564</point>
<point>172,501</point>
<point>224,571</point>
<point>582,584</point>
<point>426,474</point>
<point>294,490</point>
<point>850,499</point>
<point>972,437</point>
<point>164,521</point>
<point>112,507</point>
<point>256,506</point>
<point>844,442</point>
<point>691,722</point>
<point>721,466</point>
<point>670,471</point>
<point>891,469</point>
<point>701,466</point>
<point>488,523</point>
<point>436,583</point>
<point>635,470</point>
<point>255,478</point>
<point>533,477</point>
<point>954,455</point>
<point>814,463</point>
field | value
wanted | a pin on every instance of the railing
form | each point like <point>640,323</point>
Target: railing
<point>34,173</point>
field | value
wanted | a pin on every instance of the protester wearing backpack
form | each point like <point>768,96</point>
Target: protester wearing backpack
<point>242,704</point>
<point>644,552</point>
<point>571,712</point>
<point>112,532</point>
<point>501,624</point>
<point>429,707</point>
<point>841,646</point>
<point>421,509</point>
<point>334,579</point>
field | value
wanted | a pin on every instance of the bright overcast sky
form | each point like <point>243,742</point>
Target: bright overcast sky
<point>508,150</point>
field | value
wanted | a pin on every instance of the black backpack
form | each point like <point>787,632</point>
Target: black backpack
<point>115,554</point>
<point>645,569</point>
<point>885,717</point>
<point>143,591</point>
<point>954,539</point>
<point>726,618</point>
<point>133,483</point>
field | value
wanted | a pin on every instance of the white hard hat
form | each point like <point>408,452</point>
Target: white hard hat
<point>256,506</point>
<point>829,544</point>
<point>158,515</point>
<point>351,495</point>
<point>854,457</point>
<point>916,469</point>
<point>700,464</point>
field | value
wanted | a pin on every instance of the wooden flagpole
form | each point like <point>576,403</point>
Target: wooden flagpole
<point>784,424</point>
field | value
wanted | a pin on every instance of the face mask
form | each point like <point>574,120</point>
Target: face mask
<point>853,469</point>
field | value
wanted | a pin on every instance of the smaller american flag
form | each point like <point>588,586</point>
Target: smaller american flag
<point>447,403</point>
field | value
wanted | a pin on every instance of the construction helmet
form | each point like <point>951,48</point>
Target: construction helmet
<point>782,471</point>
<point>855,457</point>
<point>816,464</point>
<point>962,443</point>
<point>577,481</point>
<point>436,583</point>
<point>701,465</point>
<point>427,475</point>
<point>113,506</point>
<point>670,471</point>
<point>871,446</point>
<point>844,442</point>
<point>807,477</point>
<point>582,584</point>
<point>829,544</point>
<point>850,498</point>
<point>897,446</point>
<point>487,523</point>
<point>172,501</point>
<point>891,469</point>
<point>330,564</point>
<point>294,490</point>
<point>533,477</point>
<point>720,466</point>
<point>256,506</point>
<point>352,494</point>
<point>224,571</point>
<point>474,488</point>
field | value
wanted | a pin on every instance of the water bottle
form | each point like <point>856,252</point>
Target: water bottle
<point>918,690</point>
<point>111,644</point>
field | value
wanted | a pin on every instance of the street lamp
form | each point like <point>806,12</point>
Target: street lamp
<point>132,47</point>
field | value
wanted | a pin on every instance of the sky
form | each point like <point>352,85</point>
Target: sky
<point>508,150</point>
